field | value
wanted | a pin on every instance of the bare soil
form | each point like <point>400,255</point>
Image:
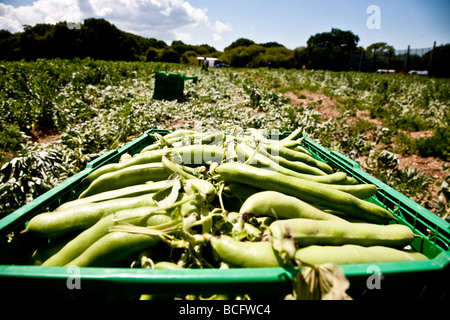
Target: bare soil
<point>179,122</point>
<point>324,104</point>
<point>45,136</point>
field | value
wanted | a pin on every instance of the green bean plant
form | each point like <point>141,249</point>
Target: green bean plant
<point>27,176</point>
<point>384,165</point>
<point>442,205</point>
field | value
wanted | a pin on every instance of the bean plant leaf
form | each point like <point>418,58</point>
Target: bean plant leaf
<point>168,195</point>
<point>320,282</point>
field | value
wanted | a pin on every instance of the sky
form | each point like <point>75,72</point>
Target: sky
<point>399,23</point>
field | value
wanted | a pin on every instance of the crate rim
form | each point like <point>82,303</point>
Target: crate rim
<point>193,281</point>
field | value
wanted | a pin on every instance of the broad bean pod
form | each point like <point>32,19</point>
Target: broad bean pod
<point>306,232</point>
<point>126,192</point>
<point>167,265</point>
<point>361,191</point>
<point>114,248</point>
<point>240,190</point>
<point>205,188</point>
<point>246,254</point>
<point>216,138</point>
<point>53,224</point>
<point>354,254</point>
<point>158,145</point>
<point>181,133</point>
<point>171,167</point>
<point>314,193</point>
<point>140,217</point>
<point>259,160</point>
<point>199,154</point>
<point>133,175</point>
<point>294,145</point>
<point>296,134</point>
<point>154,156</point>
<point>297,166</point>
<point>169,139</point>
<point>51,247</point>
<point>298,156</point>
<point>282,206</point>
<point>139,159</point>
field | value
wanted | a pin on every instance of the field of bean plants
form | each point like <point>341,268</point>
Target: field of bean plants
<point>58,115</point>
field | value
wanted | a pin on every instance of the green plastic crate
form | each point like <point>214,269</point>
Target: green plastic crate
<point>414,279</point>
<point>169,86</point>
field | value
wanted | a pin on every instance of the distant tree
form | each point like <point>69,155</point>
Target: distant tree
<point>96,38</point>
<point>170,55</point>
<point>246,53</point>
<point>279,56</point>
<point>9,45</point>
<point>253,56</point>
<point>107,42</point>
<point>155,43</point>
<point>380,54</point>
<point>35,42</point>
<point>67,43</point>
<point>379,47</point>
<point>241,42</point>
<point>300,57</point>
<point>244,56</point>
<point>181,47</point>
<point>271,44</point>
<point>331,50</point>
<point>189,57</point>
<point>205,49</point>
<point>152,55</point>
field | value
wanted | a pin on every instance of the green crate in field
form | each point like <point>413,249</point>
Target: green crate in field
<point>169,86</point>
<point>406,279</point>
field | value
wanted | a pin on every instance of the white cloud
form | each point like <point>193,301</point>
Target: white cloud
<point>221,28</point>
<point>42,11</point>
<point>162,19</point>
<point>185,37</point>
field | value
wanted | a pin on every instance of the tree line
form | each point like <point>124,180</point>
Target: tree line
<point>95,38</point>
<point>98,39</point>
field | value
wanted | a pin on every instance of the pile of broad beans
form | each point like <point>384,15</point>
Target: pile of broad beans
<point>216,200</point>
